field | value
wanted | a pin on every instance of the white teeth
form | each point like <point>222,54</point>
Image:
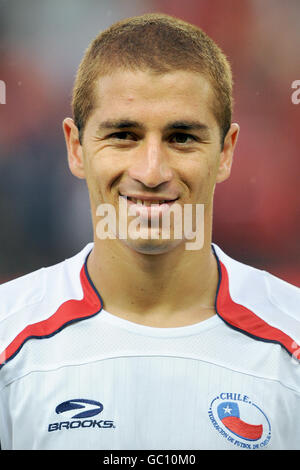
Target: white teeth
<point>150,203</point>
<point>147,203</point>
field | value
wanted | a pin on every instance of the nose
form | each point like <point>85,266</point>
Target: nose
<point>150,165</point>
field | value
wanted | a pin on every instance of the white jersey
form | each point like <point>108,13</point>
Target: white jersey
<point>74,376</point>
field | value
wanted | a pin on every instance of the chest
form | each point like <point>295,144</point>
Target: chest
<point>149,402</point>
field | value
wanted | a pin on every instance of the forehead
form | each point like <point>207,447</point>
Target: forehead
<point>146,95</point>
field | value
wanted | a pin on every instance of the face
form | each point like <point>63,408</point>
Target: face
<point>151,139</point>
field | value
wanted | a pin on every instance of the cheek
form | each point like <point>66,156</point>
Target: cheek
<point>102,177</point>
<point>93,180</point>
<point>201,178</point>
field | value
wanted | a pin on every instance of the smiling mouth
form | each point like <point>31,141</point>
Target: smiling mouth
<point>148,202</point>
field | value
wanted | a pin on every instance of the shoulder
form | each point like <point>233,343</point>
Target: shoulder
<point>22,292</point>
<point>29,301</point>
<point>258,303</point>
<point>259,285</point>
<point>32,288</point>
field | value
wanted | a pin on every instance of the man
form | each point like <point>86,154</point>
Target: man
<point>145,340</point>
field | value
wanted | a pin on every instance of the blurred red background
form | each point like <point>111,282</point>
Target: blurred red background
<point>44,211</point>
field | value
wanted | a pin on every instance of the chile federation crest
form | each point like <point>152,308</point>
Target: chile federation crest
<point>240,421</point>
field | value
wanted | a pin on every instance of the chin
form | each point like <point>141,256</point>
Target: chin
<point>152,247</point>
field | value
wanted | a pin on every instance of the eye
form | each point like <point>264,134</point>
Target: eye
<point>124,135</point>
<point>181,138</point>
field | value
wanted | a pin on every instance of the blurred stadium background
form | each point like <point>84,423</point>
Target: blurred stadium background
<point>44,210</point>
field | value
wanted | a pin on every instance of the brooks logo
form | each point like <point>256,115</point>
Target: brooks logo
<point>78,420</point>
<point>80,403</point>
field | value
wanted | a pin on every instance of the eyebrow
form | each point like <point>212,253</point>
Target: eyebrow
<point>187,125</point>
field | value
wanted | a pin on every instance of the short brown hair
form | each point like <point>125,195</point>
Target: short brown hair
<point>156,42</point>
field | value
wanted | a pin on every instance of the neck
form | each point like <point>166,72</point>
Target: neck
<point>169,289</point>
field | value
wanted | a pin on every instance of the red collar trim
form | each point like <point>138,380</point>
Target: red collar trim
<point>67,313</point>
<point>245,320</point>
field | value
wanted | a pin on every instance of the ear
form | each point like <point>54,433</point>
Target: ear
<point>74,148</point>
<point>226,155</point>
